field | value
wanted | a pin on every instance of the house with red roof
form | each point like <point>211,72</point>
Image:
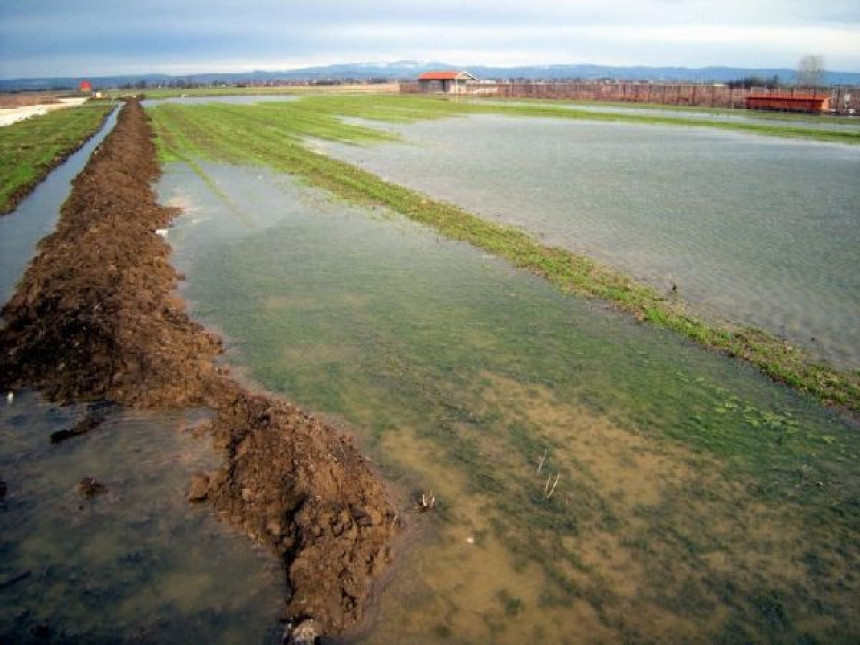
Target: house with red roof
<point>446,82</point>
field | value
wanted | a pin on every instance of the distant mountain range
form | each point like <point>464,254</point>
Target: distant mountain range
<point>409,70</point>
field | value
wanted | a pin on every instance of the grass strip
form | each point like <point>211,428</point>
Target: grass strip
<point>30,149</point>
<point>273,135</point>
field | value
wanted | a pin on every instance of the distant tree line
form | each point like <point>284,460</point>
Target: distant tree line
<point>748,82</point>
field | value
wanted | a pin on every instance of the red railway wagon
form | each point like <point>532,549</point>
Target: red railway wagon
<point>789,102</point>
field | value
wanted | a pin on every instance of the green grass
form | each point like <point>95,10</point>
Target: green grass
<point>169,92</point>
<point>275,135</point>
<point>30,149</point>
<point>282,90</point>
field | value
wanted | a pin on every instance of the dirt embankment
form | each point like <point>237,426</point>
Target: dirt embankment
<point>96,318</point>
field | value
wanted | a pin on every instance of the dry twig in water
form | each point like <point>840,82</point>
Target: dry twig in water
<point>542,459</point>
<point>555,483</point>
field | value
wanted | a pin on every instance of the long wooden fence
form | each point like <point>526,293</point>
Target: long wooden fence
<point>842,99</point>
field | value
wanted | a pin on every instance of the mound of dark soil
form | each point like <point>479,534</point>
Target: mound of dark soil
<point>96,318</point>
<point>312,497</point>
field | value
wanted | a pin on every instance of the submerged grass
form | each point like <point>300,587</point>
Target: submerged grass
<point>30,149</point>
<point>275,134</point>
<point>462,374</point>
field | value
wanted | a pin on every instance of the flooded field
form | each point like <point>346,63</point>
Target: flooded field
<point>134,562</point>
<point>596,480</point>
<point>738,116</point>
<point>754,229</point>
<point>726,116</point>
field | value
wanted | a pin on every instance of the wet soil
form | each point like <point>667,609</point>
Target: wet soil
<point>96,318</point>
<point>94,418</point>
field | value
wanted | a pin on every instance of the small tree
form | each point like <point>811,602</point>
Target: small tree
<point>810,71</point>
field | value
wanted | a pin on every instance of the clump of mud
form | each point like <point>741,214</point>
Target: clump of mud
<point>312,497</point>
<point>90,487</point>
<point>95,317</point>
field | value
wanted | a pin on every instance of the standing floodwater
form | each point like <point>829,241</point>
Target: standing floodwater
<point>758,230</point>
<point>127,559</point>
<point>596,480</point>
<point>806,121</point>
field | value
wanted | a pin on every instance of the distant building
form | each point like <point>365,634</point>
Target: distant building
<point>447,82</point>
<point>789,102</point>
<point>86,87</point>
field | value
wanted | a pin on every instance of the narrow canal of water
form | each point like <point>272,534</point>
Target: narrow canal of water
<point>36,216</point>
<point>595,480</point>
<point>754,229</point>
<point>137,563</point>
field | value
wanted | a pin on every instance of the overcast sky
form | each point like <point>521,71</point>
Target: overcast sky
<point>100,37</point>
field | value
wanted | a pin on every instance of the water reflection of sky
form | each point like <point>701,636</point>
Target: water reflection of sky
<point>756,229</point>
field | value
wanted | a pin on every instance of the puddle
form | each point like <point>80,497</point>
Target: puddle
<point>596,480</point>
<point>135,564</point>
<point>758,230</point>
<point>37,215</point>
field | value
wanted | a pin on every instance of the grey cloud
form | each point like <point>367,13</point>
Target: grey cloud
<point>212,32</point>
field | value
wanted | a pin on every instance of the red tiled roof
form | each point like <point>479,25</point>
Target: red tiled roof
<point>439,76</point>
